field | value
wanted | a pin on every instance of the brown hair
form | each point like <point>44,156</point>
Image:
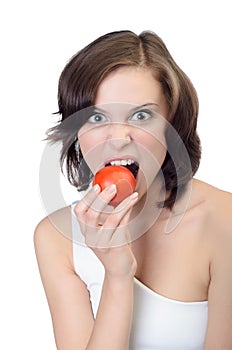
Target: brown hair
<point>77,89</point>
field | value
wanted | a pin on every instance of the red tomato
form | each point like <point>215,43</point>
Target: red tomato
<point>118,175</point>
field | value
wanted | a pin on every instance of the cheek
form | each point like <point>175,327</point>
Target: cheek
<point>89,139</point>
<point>153,148</point>
<point>152,155</point>
<point>91,145</point>
<point>160,152</point>
<point>85,144</point>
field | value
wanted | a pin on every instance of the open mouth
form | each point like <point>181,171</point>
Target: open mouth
<point>127,163</point>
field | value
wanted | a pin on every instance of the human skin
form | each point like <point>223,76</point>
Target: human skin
<point>122,134</point>
<point>197,254</point>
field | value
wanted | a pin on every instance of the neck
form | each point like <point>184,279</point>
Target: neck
<point>147,213</point>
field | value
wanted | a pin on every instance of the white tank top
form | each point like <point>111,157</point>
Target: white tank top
<point>159,323</point>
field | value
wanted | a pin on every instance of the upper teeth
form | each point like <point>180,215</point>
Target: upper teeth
<point>122,162</point>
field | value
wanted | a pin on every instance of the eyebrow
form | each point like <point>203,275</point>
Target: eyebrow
<point>98,109</point>
<point>144,105</point>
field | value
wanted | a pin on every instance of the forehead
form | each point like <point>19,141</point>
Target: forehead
<point>130,85</point>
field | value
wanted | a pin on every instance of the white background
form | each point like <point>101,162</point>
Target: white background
<point>37,39</point>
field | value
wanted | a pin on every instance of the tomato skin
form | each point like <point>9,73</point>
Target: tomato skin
<point>118,175</point>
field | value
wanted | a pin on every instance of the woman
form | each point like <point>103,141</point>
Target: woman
<point>155,271</point>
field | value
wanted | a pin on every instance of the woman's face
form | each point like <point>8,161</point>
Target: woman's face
<point>127,124</point>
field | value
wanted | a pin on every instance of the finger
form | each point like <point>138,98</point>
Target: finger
<point>91,208</point>
<point>82,206</point>
<point>104,198</point>
<point>98,206</point>
<point>121,211</point>
<point>112,232</point>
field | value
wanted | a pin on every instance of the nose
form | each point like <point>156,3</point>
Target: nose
<point>119,134</point>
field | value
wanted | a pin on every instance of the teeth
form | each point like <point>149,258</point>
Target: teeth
<point>122,162</point>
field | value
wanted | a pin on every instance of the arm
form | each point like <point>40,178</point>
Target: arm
<point>68,298</point>
<point>113,320</point>
<point>219,335</point>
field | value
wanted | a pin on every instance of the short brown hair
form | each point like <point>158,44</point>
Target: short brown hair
<point>77,89</point>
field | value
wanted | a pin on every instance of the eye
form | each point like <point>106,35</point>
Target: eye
<point>97,118</point>
<point>141,115</point>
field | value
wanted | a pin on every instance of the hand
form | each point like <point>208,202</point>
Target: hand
<point>109,239</point>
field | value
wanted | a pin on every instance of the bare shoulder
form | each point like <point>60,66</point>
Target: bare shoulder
<point>217,245</point>
<point>216,213</point>
<point>59,220</point>
<point>218,206</point>
<point>53,234</point>
<point>66,293</point>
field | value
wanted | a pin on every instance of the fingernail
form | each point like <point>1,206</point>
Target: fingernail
<point>112,188</point>
<point>134,195</point>
<point>96,188</point>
